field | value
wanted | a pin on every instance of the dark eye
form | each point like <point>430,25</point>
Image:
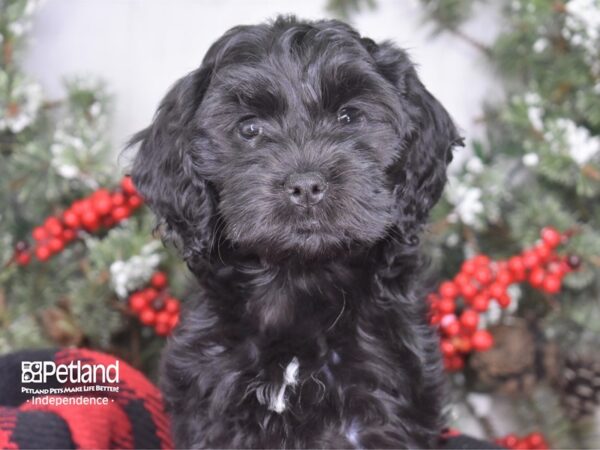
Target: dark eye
<point>347,115</point>
<point>249,128</point>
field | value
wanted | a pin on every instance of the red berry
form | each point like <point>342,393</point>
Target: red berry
<point>496,290</point>
<point>159,280</point>
<point>163,317</point>
<point>461,279</point>
<point>174,320</point>
<point>520,276</point>
<point>77,207</point>
<point>462,344</point>
<point>448,289</point>
<point>469,290</point>
<point>68,235</point>
<point>468,267</point>
<point>536,277</point>
<point>483,275</point>
<point>530,259</point>
<point>481,303</point>
<point>447,319</point>
<point>162,328</point>
<point>40,234</point>
<point>451,328</point>
<point>559,268</point>
<point>450,432</point>
<point>481,260</point>
<point>172,305</point>
<point>120,213</point>
<point>43,253</point>
<point>102,192</point>
<point>128,186</point>
<point>135,201</point>
<point>551,236</point>
<point>137,302</point>
<point>56,245</point>
<point>148,316</point>
<point>23,258</point>
<point>551,284</point>
<point>503,301</point>
<point>71,219</point>
<point>511,440</point>
<point>435,319</point>
<point>542,251</point>
<point>118,199</point>
<point>90,220</point>
<point>150,294</point>
<point>469,319</point>
<point>504,277</point>
<point>522,444</point>
<point>53,225</point>
<point>102,204</point>
<point>447,347</point>
<point>501,264</point>
<point>482,340</point>
<point>83,206</point>
<point>446,306</point>
<point>515,264</point>
<point>457,363</point>
<point>535,440</point>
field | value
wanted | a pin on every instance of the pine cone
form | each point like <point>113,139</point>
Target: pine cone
<point>510,365</point>
<point>61,327</point>
<point>580,386</point>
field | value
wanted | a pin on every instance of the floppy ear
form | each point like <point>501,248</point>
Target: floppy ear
<point>426,143</point>
<point>164,167</point>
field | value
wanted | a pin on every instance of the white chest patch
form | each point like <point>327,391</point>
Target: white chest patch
<point>274,395</point>
<point>352,435</point>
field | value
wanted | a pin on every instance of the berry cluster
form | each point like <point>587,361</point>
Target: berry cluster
<point>101,209</point>
<point>154,306</point>
<point>533,441</point>
<point>457,305</point>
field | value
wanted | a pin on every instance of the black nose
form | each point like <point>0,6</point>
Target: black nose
<point>305,189</point>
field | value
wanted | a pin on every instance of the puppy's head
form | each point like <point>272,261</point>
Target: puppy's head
<point>295,139</point>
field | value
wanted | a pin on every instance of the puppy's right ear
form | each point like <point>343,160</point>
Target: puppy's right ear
<point>163,169</point>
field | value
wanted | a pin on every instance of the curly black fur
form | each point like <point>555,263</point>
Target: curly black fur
<point>309,329</point>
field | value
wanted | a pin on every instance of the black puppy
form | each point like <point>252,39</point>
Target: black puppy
<point>294,170</point>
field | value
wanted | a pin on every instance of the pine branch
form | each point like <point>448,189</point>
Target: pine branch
<point>484,421</point>
<point>471,41</point>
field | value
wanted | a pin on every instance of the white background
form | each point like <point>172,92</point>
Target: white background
<point>140,47</point>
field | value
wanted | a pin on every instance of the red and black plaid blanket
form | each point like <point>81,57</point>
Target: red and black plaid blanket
<point>133,416</point>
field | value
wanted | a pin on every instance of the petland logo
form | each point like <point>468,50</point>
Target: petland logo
<point>75,372</point>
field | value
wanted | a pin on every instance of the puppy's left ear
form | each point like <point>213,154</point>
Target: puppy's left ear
<point>426,142</point>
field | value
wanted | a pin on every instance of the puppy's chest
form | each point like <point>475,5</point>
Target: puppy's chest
<point>298,385</point>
